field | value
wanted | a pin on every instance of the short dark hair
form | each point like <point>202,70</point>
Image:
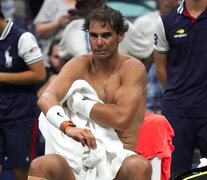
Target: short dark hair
<point>106,15</point>
<point>54,42</point>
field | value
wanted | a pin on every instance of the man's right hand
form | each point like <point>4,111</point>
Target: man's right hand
<point>84,136</point>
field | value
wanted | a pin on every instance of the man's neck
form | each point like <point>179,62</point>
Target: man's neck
<point>3,24</point>
<point>164,10</point>
<point>165,7</point>
<point>105,67</point>
<point>195,7</point>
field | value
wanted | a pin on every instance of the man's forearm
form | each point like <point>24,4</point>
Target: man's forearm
<point>163,79</point>
<point>26,77</point>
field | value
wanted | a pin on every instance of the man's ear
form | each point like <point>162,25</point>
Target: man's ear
<point>121,36</point>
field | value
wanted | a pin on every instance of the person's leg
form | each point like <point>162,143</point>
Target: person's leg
<point>184,143</point>
<point>201,135</point>
<point>51,167</point>
<point>2,148</point>
<point>135,167</point>
<point>21,149</point>
<point>21,173</point>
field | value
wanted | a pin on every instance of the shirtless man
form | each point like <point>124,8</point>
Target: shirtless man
<point>120,82</point>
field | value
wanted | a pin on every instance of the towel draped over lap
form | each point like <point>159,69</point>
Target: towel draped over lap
<point>102,163</point>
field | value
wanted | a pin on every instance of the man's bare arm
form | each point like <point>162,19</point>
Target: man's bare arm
<point>119,115</point>
<point>161,67</point>
<point>35,74</point>
<point>47,29</point>
<point>58,88</point>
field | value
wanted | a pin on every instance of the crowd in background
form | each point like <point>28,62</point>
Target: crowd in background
<point>25,14</point>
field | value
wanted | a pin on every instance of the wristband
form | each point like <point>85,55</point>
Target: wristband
<point>56,116</point>
<point>81,104</point>
<point>66,124</point>
<point>85,107</point>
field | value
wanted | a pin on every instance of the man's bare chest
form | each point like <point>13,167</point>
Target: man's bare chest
<point>106,87</point>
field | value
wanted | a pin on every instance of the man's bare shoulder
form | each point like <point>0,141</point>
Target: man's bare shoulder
<point>130,62</point>
<point>80,61</point>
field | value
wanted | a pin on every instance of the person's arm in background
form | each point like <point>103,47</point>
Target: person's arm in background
<point>30,52</point>
<point>34,74</point>
<point>46,24</point>
<point>47,29</point>
<point>161,48</point>
<point>148,62</point>
<point>161,67</point>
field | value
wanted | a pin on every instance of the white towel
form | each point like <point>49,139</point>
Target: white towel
<point>102,163</point>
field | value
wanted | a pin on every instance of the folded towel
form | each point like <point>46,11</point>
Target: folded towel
<point>102,163</point>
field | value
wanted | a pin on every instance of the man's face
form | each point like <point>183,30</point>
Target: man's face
<point>104,40</point>
<point>54,59</point>
<point>168,4</point>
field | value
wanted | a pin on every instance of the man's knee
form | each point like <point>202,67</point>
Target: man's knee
<point>144,166</point>
<point>139,167</point>
<point>52,166</point>
<point>37,165</point>
<point>44,165</point>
